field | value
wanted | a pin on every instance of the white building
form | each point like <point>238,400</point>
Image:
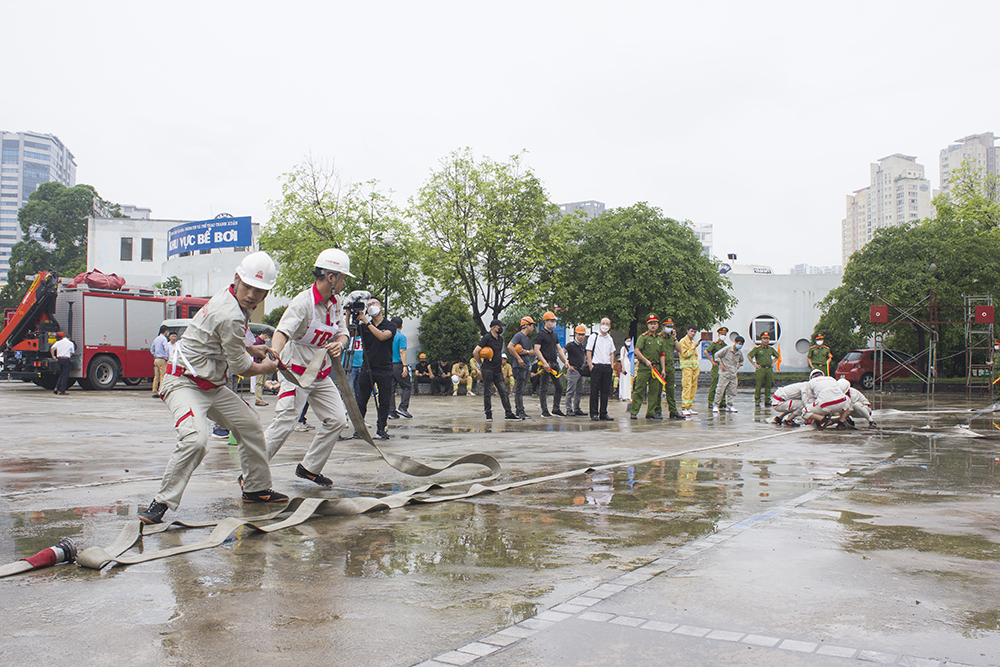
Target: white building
<point>784,306</point>
<point>897,193</point>
<point>808,269</point>
<point>704,234</point>
<point>28,159</point>
<point>976,148</point>
<point>591,207</point>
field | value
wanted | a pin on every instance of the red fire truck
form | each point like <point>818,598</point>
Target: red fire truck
<point>113,331</point>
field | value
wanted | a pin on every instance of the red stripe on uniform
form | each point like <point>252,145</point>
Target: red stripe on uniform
<point>829,403</point>
<point>287,393</point>
<point>189,413</point>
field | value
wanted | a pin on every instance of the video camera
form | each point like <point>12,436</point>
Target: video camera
<point>357,301</point>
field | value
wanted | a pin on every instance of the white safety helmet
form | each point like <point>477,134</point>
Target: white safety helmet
<point>815,373</point>
<point>335,260</point>
<point>257,270</point>
<point>844,384</point>
<point>455,379</point>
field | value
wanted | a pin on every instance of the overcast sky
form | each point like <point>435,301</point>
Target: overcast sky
<point>757,118</point>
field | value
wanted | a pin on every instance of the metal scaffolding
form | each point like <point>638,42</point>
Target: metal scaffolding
<point>978,343</point>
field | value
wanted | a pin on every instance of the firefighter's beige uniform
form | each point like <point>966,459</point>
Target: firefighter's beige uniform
<point>827,399</point>
<point>309,322</point>
<point>196,389</point>
<point>790,401</point>
<point>860,405</point>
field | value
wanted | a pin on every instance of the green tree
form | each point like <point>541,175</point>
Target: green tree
<point>273,317</point>
<point>631,261</point>
<point>171,285</point>
<point>54,228</point>
<point>914,265</point>
<point>490,232</point>
<point>447,331</point>
<point>317,212</point>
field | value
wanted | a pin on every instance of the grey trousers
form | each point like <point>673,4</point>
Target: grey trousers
<point>325,402</point>
<point>574,390</point>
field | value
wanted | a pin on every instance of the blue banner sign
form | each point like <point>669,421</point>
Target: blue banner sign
<point>208,234</point>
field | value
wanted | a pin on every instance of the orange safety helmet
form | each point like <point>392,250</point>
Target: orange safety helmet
<point>519,349</point>
<point>580,329</point>
<point>423,356</point>
<point>527,320</point>
<point>486,353</point>
<point>549,315</point>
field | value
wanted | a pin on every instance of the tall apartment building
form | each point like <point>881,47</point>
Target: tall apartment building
<point>591,207</point>
<point>704,234</point>
<point>28,159</point>
<point>897,193</point>
<point>977,148</point>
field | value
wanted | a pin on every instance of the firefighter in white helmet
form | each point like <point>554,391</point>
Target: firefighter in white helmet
<point>860,405</point>
<point>313,323</point>
<point>217,344</point>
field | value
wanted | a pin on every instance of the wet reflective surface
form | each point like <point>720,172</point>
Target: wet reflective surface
<point>884,540</point>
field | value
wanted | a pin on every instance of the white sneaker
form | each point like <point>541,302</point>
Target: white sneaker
<point>715,408</point>
<point>685,412</point>
<point>691,413</point>
<point>470,393</point>
<point>300,427</point>
<point>455,393</point>
<point>730,408</point>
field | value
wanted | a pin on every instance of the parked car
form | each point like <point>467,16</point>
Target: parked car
<point>858,366</point>
<point>179,325</point>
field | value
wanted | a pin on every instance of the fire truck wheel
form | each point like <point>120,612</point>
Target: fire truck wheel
<point>103,372</point>
<point>132,381</point>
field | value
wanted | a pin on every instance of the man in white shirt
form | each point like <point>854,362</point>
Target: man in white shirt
<point>314,323</point>
<point>62,351</point>
<point>600,348</point>
<point>161,352</point>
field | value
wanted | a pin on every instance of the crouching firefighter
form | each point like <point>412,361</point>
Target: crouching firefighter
<point>314,323</point>
<point>215,345</point>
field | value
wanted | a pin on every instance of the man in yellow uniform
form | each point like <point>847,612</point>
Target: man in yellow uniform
<point>460,375</point>
<point>689,371</point>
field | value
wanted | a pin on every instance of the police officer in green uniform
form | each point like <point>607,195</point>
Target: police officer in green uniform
<point>762,357</point>
<point>648,354</point>
<point>714,347</point>
<point>819,356</point>
<point>669,342</point>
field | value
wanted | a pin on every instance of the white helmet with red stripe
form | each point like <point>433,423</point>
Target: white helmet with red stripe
<point>257,270</point>
<point>334,260</point>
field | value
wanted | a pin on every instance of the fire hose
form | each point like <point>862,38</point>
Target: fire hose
<point>301,509</point>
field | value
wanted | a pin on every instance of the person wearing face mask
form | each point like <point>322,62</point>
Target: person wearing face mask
<point>576,373</point>
<point>600,348</point>
<point>762,357</point>
<point>376,336</point>
<point>729,359</point>
<point>314,323</point>
<point>549,352</point>
<point>994,362</point>
<point>488,354</point>
<point>714,347</point>
<point>521,350</point>
<point>668,339</point>
<point>689,371</point>
<point>819,356</point>
<point>626,360</point>
<point>648,355</point>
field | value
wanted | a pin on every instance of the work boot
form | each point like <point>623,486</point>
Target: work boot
<point>674,415</point>
<point>777,421</point>
<point>154,514</point>
<point>657,416</point>
<point>265,496</point>
<point>320,479</point>
<point>631,416</point>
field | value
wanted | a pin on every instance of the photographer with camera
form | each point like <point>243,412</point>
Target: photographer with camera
<point>313,323</point>
<point>376,336</point>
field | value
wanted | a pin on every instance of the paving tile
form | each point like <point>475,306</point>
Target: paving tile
<point>536,624</point>
<point>431,663</point>
<point>760,640</point>
<point>515,631</point>
<point>455,658</point>
<point>554,616</point>
<point>630,621</point>
<point>911,661</point>
<point>659,626</point>
<point>584,601</point>
<point>568,608</point>
<point>598,616</point>
<point>479,648</point>
<point>692,630</point>
<point>725,635</point>
<point>795,645</point>
<point>605,591</point>
<point>837,651</point>
<point>500,640</point>
<point>877,657</point>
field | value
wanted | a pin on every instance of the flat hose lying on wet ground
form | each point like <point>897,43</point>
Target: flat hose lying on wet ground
<point>301,509</point>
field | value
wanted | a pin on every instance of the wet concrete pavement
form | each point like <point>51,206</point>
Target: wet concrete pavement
<point>765,547</point>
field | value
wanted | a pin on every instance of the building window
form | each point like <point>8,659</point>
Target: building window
<point>33,144</point>
<point>147,250</point>
<point>126,249</point>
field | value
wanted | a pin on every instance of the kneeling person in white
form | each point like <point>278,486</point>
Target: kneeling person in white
<point>828,400</point>
<point>314,323</point>
<point>860,405</point>
<point>217,344</point>
<point>790,402</point>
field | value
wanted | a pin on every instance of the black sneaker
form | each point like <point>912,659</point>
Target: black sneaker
<point>777,421</point>
<point>633,416</point>
<point>579,413</point>
<point>381,434</point>
<point>546,414</point>
<point>607,418</point>
<point>322,480</point>
<point>675,415</point>
<point>220,433</point>
<point>523,415</point>
<point>393,415</point>
<point>154,514</point>
<point>656,416</point>
<point>510,415</point>
<point>595,418</point>
<point>265,496</point>
<point>559,412</point>
<point>489,416</point>
<point>404,413</point>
